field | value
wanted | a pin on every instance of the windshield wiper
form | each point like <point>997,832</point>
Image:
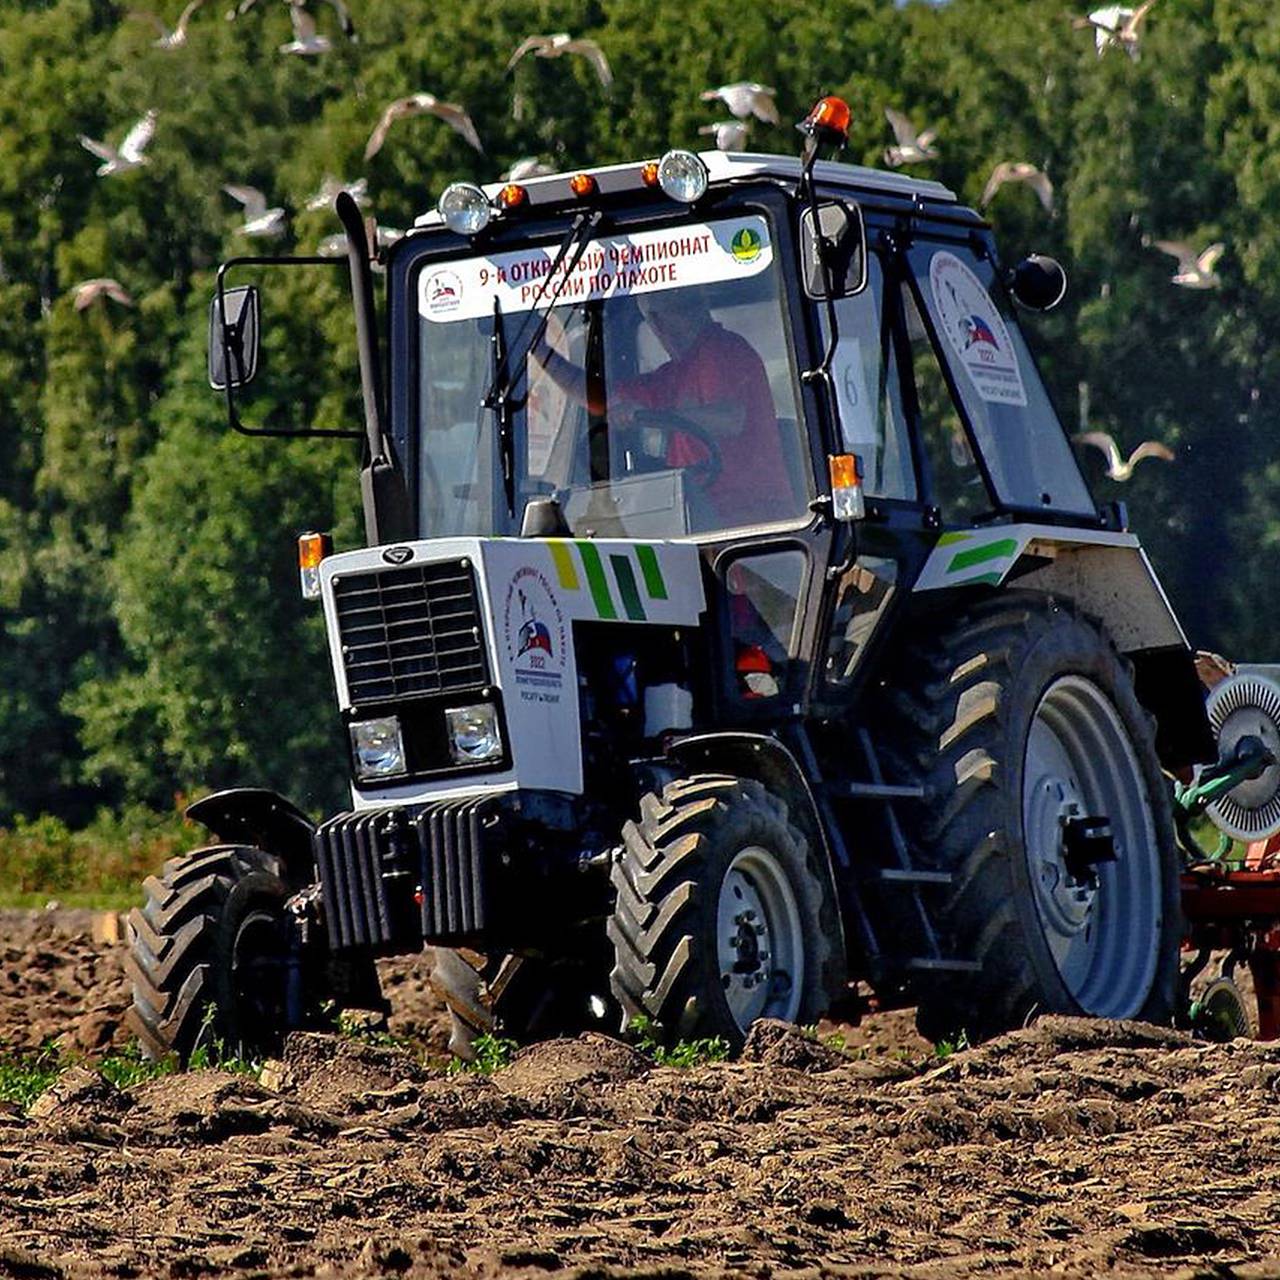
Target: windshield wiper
<point>498,396</point>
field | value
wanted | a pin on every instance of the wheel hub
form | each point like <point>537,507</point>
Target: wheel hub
<point>1090,849</point>
<point>758,939</point>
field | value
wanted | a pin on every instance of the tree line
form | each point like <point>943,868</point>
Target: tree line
<point>152,639</point>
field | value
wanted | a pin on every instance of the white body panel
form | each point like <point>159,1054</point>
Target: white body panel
<point>1106,573</point>
<point>531,592</point>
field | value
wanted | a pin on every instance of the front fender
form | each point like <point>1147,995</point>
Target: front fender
<point>256,816</point>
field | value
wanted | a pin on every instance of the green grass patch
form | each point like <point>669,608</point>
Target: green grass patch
<point>100,866</point>
<point>684,1053</point>
<point>492,1054</point>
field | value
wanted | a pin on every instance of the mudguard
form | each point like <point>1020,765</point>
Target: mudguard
<point>256,816</point>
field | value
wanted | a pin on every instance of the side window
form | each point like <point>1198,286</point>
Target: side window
<point>1023,445</point>
<point>868,394</point>
<point>955,480</point>
<point>763,595</point>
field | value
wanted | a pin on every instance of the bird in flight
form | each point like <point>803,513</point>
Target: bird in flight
<point>330,188</point>
<point>169,38</point>
<point>1019,171</point>
<point>746,98</point>
<point>730,135</point>
<point>89,291</point>
<point>526,167</point>
<point>258,219</point>
<point>1119,468</point>
<point>344,16</point>
<point>912,147</point>
<point>1195,269</point>
<point>335,246</point>
<point>131,151</point>
<point>562,42</point>
<point>306,39</point>
<point>417,104</point>
<point>1116,26</point>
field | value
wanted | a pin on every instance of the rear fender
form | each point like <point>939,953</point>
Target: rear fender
<point>767,761</point>
<point>256,816</point>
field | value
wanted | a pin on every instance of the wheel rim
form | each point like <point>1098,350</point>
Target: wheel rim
<point>759,939</point>
<point>1102,922</point>
<point>258,964</point>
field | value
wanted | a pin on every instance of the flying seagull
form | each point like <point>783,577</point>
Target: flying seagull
<point>89,291</point>
<point>912,147</point>
<point>258,219</point>
<point>526,167</point>
<point>306,39</point>
<point>730,135</point>
<point>562,42</point>
<point>330,188</point>
<point>344,17</point>
<point>173,38</point>
<point>1195,269</point>
<point>130,155</point>
<point>1119,468</point>
<point>1019,171</point>
<point>416,104</point>
<point>335,246</point>
<point>1116,25</point>
<point>746,98</point>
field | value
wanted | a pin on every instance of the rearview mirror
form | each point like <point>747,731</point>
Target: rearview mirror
<point>1039,282</point>
<point>233,337</point>
<point>844,243</point>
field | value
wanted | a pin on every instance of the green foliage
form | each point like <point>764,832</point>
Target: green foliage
<point>492,1053</point>
<point>684,1053</point>
<point>25,1076</point>
<point>151,636</point>
<point>944,1049</point>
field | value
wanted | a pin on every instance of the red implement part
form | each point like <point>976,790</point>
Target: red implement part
<point>1240,911</point>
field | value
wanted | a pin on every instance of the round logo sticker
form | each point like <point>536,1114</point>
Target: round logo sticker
<point>975,331</point>
<point>745,245</point>
<point>442,292</point>
<point>534,632</point>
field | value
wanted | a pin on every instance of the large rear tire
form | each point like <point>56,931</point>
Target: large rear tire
<point>208,955</point>
<point>1023,727</point>
<point>723,914</point>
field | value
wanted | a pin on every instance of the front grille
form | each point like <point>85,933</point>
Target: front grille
<point>409,631</point>
<point>388,882</point>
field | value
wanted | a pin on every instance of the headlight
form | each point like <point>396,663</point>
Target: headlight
<point>378,747</point>
<point>683,176</point>
<point>474,735</point>
<point>464,208</point>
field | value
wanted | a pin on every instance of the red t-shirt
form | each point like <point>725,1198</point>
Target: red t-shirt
<point>722,368</point>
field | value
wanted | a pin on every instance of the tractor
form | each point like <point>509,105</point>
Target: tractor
<point>736,633</point>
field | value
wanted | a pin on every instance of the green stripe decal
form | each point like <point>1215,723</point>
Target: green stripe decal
<point>654,583</point>
<point>597,582</point>
<point>627,588</point>
<point>1000,550</point>
<point>949,539</point>
<point>566,573</point>
<point>994,578</point>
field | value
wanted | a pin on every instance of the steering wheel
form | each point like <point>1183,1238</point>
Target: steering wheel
<point>671,424</point>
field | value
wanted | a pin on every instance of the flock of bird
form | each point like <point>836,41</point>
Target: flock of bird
<point>746,102</point>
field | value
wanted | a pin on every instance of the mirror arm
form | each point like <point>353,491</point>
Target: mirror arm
<point>384,494</point>
<point>822,373</point>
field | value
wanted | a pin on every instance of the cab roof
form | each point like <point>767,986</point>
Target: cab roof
<point>723,166</point>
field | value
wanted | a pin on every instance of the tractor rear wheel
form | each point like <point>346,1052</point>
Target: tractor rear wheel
<point>1048,808</point>
<point>209,954</point>
<point>723,914</point>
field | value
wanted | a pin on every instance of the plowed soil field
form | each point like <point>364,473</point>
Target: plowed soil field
<point>1070,1147</point>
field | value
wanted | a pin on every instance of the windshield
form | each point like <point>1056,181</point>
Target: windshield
<point>659,400</point>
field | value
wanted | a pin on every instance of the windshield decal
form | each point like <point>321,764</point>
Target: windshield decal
<point>975,331</point>
<point>611,267</point>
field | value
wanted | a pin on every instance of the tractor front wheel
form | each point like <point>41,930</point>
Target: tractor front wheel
<point>209,955</point>
<point>723,914</point>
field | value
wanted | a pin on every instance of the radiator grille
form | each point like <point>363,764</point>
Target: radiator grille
<point>409,631</point>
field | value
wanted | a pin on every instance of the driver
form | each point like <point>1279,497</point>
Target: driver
<point>714,380</point>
